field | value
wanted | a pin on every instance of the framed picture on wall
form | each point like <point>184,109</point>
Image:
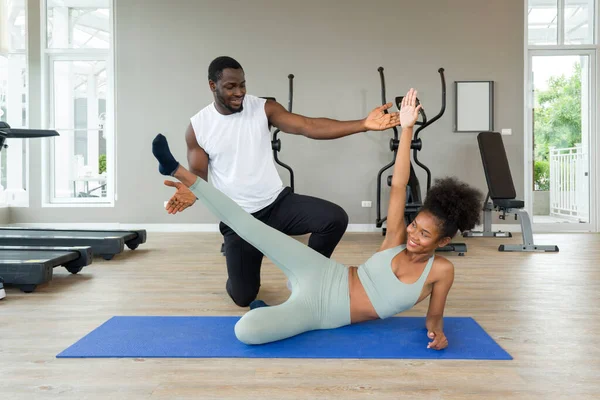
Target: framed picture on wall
<point>473,106</point>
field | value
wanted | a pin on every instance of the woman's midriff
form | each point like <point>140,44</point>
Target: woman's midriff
<point>361,308</point>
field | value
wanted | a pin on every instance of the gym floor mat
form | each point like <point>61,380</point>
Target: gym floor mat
<point>213,337</point>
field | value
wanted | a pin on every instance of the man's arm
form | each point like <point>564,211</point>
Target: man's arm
<point>435,314</point>
<point>326,128</point>
<point>196,156</point>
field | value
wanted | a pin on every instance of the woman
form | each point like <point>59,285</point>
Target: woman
<point>327,294</point>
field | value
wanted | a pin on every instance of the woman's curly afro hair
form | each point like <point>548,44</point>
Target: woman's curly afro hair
<point>455,204</point>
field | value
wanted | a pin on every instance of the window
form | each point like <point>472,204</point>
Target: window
<point>542,20</point>
<point>78,28</point>
<point>79,77</point>
<point>579,21</point>
<point>561,22</point>
<point>561,116</point>
<point>13,100</point>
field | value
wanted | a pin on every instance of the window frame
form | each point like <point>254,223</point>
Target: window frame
<point>560,29</point>
<point>48,57</point>
<point>593,50</point>
<point>20,199</point>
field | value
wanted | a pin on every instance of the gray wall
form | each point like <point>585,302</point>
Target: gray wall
<point>334,49</point>
<point>4,215</point>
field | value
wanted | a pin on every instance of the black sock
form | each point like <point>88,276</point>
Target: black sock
<point>167,163</point>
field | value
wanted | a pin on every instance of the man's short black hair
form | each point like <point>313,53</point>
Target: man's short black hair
<point>216,67</point>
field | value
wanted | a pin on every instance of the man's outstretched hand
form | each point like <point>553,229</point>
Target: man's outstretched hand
<point>182,199</point>
<point>378,120</point>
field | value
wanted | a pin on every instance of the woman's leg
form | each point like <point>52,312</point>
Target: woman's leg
<point>287,253</point>
<point>269,324</point>
<point>322,303</point>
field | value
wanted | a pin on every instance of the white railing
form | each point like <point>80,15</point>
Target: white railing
<point>569,183</point>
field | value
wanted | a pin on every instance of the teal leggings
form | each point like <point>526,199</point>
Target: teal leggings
<point>320,296</point>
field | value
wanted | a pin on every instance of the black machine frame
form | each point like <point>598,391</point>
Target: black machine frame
<point>414,198</point>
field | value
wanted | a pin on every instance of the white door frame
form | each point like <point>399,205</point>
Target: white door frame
<point>592,225</point>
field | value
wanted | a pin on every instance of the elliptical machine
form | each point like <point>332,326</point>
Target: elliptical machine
<point>276,143</point>
<point>414,200</point>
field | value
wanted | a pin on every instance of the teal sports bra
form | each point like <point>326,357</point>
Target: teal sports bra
<point>387,293</point>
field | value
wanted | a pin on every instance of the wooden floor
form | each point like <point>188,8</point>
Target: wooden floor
<point>542,308</point>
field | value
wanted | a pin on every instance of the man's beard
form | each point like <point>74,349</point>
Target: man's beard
<point>222,102</point>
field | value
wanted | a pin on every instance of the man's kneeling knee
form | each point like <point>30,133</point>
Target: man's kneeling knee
<point>341,219</point>
<point>242,297</point>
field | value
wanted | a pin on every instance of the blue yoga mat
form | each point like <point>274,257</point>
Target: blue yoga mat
<point>213,337</point>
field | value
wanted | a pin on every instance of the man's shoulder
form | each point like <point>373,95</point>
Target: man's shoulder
<point>254,100</point>
<point>253,97</point>
<point>202,115</point>
<point>257,106</point>
<point>205,109</point>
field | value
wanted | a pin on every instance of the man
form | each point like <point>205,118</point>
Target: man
<point>230,141</point>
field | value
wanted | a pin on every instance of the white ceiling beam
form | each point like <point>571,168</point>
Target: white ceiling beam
<point>15,9</point>
<point>79,3</point>
<point>552,3</point>
<point>93,21</point>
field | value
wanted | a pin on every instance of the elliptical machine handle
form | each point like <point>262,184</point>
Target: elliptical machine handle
<point>291,91</point>
<point>393,146</point>
<point>383,98</point>
<point>417,141</point>
<point>443,108</point>
<point>276,143</point>
<point>381,77</point>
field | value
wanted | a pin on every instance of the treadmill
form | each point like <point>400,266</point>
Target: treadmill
<point>27,267</point>
<point>6,132</point>
<point>104,243</point>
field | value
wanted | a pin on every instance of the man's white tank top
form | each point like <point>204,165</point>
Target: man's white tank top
<point>240,158</point>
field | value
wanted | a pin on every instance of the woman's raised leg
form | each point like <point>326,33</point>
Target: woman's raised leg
<point>287,253</point>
